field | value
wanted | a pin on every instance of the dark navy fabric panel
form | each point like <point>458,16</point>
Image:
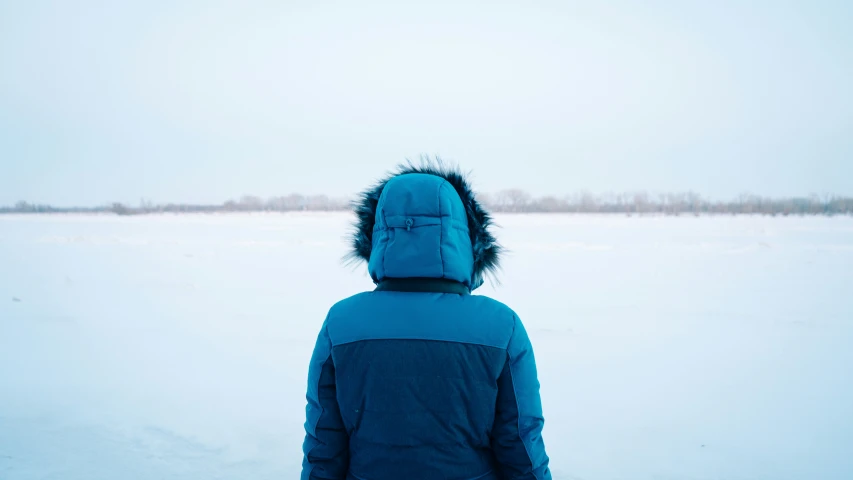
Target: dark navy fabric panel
<point>326,445</point>
<point>417,408</point>
<point>421,316</point>
<point>423,385</point>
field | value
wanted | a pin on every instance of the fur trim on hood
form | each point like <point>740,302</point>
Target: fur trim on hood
<point>486,250</point>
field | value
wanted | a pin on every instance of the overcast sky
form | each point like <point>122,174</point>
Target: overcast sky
<point>205,101</point>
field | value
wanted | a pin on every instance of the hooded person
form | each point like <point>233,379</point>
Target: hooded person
<point>419,379</point>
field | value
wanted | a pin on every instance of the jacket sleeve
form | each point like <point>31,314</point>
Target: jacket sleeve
<point>517,433</point>
<point>326,446</point>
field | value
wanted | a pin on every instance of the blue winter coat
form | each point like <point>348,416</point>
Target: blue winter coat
<point>419,379</point>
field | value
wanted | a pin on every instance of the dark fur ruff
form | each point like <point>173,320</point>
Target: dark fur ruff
<point>486,250</point>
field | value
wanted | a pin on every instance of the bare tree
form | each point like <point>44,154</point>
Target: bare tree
<point>513,200</point>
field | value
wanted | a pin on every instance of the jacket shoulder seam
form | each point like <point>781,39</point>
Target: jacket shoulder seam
<point>460,342</point>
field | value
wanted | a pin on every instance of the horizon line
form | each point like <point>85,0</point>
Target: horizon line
<point>653,197</point>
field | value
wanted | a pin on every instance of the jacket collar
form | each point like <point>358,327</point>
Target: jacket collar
<point>422,285</point>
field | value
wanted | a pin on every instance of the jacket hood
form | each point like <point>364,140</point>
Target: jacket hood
<point>424,222</point>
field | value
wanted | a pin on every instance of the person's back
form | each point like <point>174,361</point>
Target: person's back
<point>419,379</point>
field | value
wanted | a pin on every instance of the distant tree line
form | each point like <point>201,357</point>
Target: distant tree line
<point>290,203</point>
<point>667,204</point>
<point>247,203</point>
<point>512,201</point>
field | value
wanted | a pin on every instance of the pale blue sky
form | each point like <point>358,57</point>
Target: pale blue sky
<point>205,101</point>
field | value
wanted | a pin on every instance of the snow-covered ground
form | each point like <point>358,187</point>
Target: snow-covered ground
<point>175,347</point>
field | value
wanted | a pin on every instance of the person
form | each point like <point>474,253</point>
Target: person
<point>419,379</point>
